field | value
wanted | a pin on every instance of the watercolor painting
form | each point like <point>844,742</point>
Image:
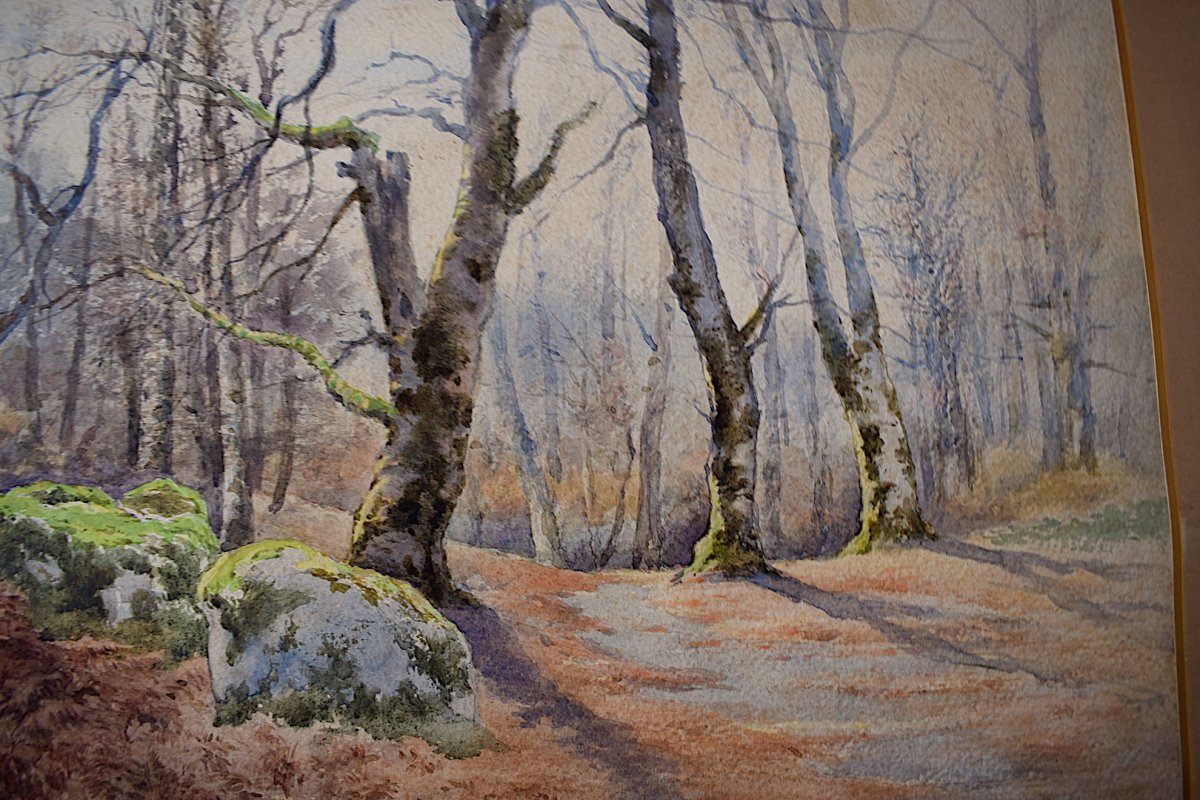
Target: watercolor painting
<point>577,399</point>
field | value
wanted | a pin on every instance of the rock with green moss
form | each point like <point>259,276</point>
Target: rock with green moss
<point>127,568</point>
<point>304,638</point>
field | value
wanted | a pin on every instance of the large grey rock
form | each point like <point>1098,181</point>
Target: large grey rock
<point>128,569</point>
<point>303,638</point>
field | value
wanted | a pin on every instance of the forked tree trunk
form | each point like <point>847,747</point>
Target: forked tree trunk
<point>400,526</point>
<point>731,543</point>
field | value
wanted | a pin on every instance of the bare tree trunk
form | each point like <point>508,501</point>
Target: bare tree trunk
<point>608,547</point>
<point>400,526</point>
<point>543,523</point>
<point>551,386</point>
<point>819,469</point>
<point>285,435</point>
<point>158,405</point>
<point>1016,380</point>
<point>1081,380</point>
<point>1068,327</point>
<point>32,383</point>
<point>82,272</point>
<point>229,393</point>
<point>648,533</point>
<point>31,375</point>
<point>770,452</point>
<point>731,544</point>
<point>890,506</point>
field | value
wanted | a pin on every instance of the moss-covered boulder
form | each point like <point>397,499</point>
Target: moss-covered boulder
<point>124,568</point>
<point>304,638</point>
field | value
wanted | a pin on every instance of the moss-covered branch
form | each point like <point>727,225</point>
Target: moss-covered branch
<point>354,399</point>
<point>525,191</point>
<point>760,317</point>
<point>341,133</point>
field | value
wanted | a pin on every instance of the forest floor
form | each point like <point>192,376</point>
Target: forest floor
<point>1008,666</point>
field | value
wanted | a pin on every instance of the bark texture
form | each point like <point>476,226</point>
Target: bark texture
<point>890,509</point>
<point>731,544</point>
<point>400,526</point>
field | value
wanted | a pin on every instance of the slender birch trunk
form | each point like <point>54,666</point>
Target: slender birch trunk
<point>648,533</point>
<point>543,523</point>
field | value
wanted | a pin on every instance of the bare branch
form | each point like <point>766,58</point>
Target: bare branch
<point>307,258</point>
<point>1107,366</point>
<point>30,189</point>
<point>759,318</point>
<point>1017,62</point>
<point>432,114</point>
<point>328,57</point>
<point>470,15</point>
<point>639,34</point>
<point>608,157</point>
<point>1040,330</point>
<point>525,191</point>
<point>436,73</point>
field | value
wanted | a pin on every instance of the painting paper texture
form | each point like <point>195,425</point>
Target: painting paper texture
<point>577,399</point>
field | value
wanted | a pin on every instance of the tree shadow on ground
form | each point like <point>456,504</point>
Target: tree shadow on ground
<point>881,614</point>
<point>1043,573</point>
<point>515,677</point>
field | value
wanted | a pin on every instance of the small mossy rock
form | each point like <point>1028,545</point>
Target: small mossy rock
<point>164,498</point>
<point>304,638</point>
<point>92,565</point>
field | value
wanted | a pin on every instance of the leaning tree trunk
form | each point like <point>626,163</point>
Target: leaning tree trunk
<point>731,543</point>
<point>648,532</point>
<point>433,352</point>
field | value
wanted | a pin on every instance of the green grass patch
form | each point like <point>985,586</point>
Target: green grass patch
<point>1148,520</point>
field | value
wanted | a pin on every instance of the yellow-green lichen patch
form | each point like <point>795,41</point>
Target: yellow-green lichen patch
<point>228,572</point>
<point>717,551</point>
<point>223,575</point>
<point>372,584</point>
